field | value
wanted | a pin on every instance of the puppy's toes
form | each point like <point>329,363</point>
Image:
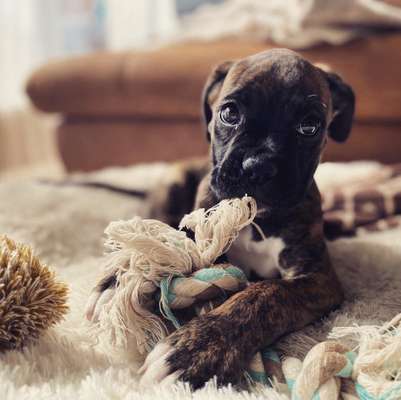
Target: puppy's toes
<point>156,368</point>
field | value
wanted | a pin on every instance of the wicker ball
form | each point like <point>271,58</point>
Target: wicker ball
<point>31,300</point>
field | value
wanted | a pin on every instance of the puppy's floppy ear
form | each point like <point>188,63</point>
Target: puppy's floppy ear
<point>343,100</point>
<point>211,91</point>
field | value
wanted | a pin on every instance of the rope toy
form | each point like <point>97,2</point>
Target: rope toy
<point>160,271</point>
<point>31,300</point>
<point>155,263</point>
<point>332,371</point>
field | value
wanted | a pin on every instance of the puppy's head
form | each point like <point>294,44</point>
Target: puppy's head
<point>268,117</point>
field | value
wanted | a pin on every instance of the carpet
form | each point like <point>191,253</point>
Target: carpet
<point>65,225</point>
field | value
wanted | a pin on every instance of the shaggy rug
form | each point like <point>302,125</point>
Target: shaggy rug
<point>65,226</point>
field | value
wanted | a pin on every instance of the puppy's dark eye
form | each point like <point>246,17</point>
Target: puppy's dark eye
<point>308,127</point>
<point>230,114</point>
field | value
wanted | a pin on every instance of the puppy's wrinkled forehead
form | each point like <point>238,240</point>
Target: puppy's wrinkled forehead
<point>273,72</point>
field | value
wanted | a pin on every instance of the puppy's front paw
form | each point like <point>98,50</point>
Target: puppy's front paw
<point>194,353</point>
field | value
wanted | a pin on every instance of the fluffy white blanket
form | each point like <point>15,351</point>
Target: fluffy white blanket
<point>65,225</point>
<point>291,23</point>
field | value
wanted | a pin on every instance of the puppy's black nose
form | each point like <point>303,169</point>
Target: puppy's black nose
<point>259,168</point>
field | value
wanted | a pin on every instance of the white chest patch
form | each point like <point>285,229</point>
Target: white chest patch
<point>262,256</point>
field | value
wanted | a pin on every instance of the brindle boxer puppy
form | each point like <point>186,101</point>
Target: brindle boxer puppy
<point>268,117</point>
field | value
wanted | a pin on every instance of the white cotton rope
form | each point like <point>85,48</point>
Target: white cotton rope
<point>332,371</point>
<point>145,251</point>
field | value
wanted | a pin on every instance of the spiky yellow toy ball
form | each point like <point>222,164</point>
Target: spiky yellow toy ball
<point>31,300</point>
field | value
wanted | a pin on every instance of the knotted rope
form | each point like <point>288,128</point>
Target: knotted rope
<point>200,288</point>
<point>155,263</point>
<point>152,259</point>
<point>331,370</point>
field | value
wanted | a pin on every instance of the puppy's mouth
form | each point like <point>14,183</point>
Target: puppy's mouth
<point>237,184</point>
<point>272,192</point>
<point>223,190</point>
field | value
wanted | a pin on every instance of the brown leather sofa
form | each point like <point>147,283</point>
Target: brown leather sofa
<point>123,108</point>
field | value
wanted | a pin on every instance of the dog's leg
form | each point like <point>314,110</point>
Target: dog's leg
<point>169,203</point>
<point>176,196</point>
<point>222,342</point>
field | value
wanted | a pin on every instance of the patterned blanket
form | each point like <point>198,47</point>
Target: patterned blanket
<point>364,202</point>
<point>357,197</point>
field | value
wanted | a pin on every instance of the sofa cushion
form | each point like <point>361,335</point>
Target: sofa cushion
<point>167,82</point>
<point>92,144</point>
<point>88,144</point>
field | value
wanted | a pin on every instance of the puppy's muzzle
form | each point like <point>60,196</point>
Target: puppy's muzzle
<point>254,170</point>
<point>259,168</point>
